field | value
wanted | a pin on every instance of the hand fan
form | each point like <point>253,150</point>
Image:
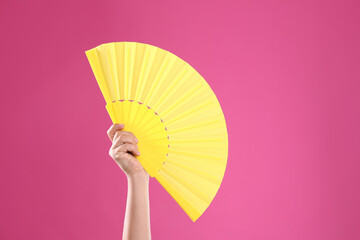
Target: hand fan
<point>173,113</point>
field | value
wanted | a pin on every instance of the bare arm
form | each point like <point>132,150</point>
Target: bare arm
<point>137,215</point>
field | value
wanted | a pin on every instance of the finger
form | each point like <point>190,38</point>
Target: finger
<point>127,133</point>
<point>113,129</point>
<point>122,138</point>
<point>125,156</point>
<point>128,159</point>
<point>128,148</point>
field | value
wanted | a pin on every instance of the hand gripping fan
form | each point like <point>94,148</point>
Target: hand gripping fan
<point>173,113</point>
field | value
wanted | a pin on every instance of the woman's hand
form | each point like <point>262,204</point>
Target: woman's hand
<point>123,148</point>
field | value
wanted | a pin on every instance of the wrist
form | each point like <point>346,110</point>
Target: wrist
<point>141,176</point>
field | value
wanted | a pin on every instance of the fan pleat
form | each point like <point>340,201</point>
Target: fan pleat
<point>171,89</point>
<point>119,58</point>
<point>139,121</point>
<point>195,191</point>
<point>98,72</point>
<point>191,168</point>
<point>148,128</point>
<point>182,85</point>
<point>139,58</point>
<point>202,115</point>
<point>216,163</point>
<point>180,100</point>
<point>214,168</point>
<point>133,113</point>
<point>147,78</point>
<point>126,71</point>
<point>181,196</point>
<point>110,54</point>
<point>163,81</point>
<point>157,78</point>
<point>142,73</point>
<point>188,112</point>
<point>149,160</point>
<point>131,51</point>
<point>214,133</point>
<point>194,154</point>
<point>208,149</point>
<point>155,70</point>
<point>190,127</point>
<point>105,66</point>
<point>145,120</point>
<point>197,140</point>
<point>194,96</point>
<point>198,182</point>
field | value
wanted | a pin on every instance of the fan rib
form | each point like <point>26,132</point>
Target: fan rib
<point>177,79</point>
<point>145,128</point>
<point>194,190</point>
<point>149,63</point>
<point>215,162</point>
<point>132,115</point>
<point>150,161</point>
<point>194,126</point>
<point>171,107</point>
<point>141,124</point>
<point>171,186</point>
<point>197,140</point>
<point>191,110</point>
<point>170,65</point>
<point>102,82</point>
<point>208,177</point>
<point>108,57</point>
<point>150,130</point>
<point>194,154</point>
<point>132,52</point>
<point>113,68</point>
<point>140,119</point>
<point>175,89</point>
<point>142,69</point>
<point>116,72</point>
<point>158,76</point>
<point>126,69</point>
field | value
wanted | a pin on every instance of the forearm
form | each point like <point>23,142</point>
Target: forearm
<point>137,216</point>
<point>124,151</point>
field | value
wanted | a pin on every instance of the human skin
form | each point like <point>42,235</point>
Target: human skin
<point>137,214</point>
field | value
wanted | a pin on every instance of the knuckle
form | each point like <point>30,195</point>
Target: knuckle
<point>118,137</point>
<point>125,146</point>
<point>111,152</point>
<point>129,133</point>
<point>110,130</point>
<point>129,145</point>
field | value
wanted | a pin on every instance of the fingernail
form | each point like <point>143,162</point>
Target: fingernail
<point>136,140</point>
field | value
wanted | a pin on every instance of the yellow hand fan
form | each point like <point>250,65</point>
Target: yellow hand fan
<point>173,113</point>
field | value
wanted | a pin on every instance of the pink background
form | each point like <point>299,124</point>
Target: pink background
<point>286,74</point>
